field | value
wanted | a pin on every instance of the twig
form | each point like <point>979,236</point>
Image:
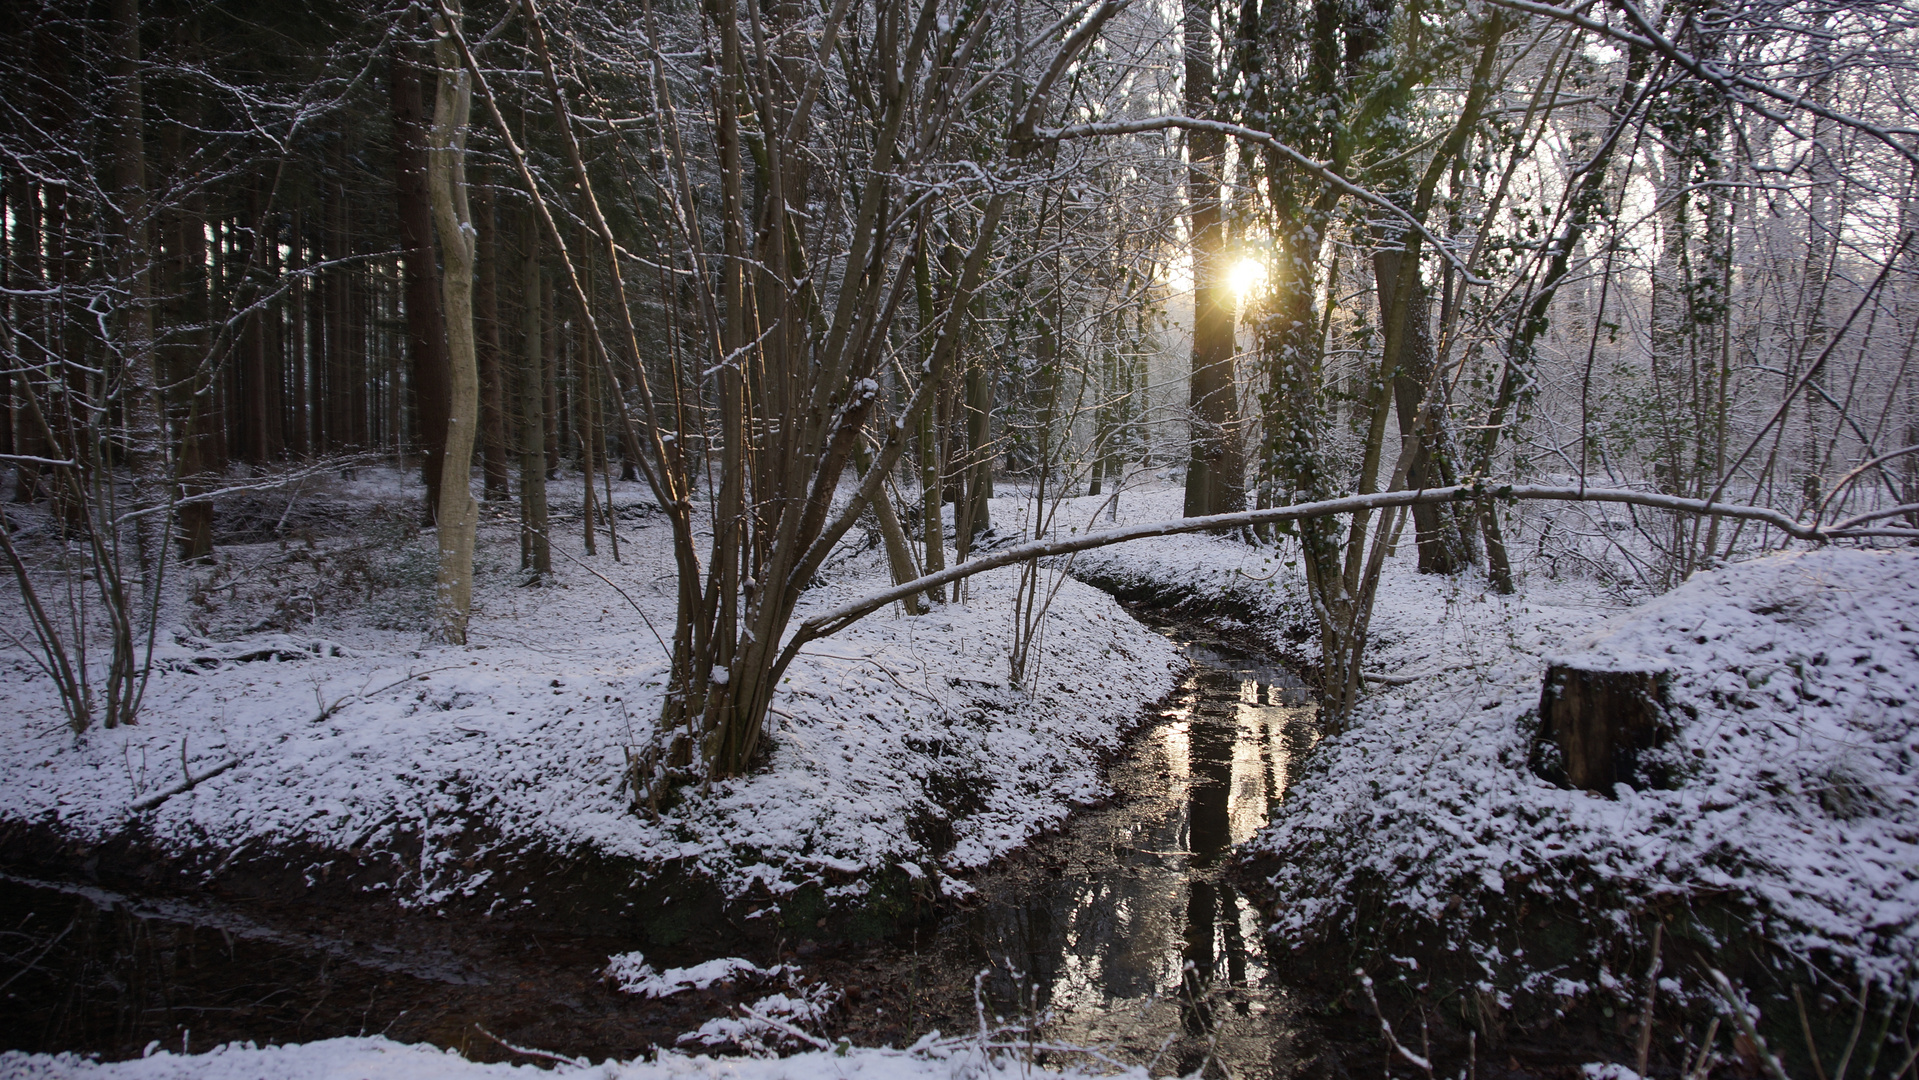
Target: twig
<point>1704,1059</point>
<point>341,702</point>
<point>35,962</point>
<point>1805,1028</point>
<point>1386,1029</point>
<point>1903,1069</point>
<point>1652,993</point>
<point>773,1022</point>
<point>543,1055</point>
<point>1767,1060</point>
<point>1859,1021</point>
<point>185,785</point>
<point>634,604</point>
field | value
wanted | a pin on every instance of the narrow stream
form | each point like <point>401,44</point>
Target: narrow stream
<point>1120,933</point>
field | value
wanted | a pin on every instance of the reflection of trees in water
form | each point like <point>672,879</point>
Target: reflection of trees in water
<point>1138,938</point>
<point>1212,908</point>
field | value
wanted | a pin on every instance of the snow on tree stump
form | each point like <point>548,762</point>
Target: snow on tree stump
<point>1595,724</point>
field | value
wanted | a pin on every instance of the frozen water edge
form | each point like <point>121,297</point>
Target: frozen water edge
<point>380,736</point>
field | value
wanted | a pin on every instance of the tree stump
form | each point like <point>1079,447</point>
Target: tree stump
<point>1600,722</point>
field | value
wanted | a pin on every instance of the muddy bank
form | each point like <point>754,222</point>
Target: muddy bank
<point>109,947</point>
<point>101,972</point>
<point>112,947</point>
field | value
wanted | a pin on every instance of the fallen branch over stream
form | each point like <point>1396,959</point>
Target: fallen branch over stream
<point>839,618</point>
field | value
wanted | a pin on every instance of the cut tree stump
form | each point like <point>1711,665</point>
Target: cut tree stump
<point>1600,722</point>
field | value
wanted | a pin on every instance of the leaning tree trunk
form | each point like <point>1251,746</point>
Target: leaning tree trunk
<point>446,178</point>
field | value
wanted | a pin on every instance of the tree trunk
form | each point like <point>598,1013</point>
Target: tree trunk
<point>146,452</point>
<point>1409,365</point>
<point>273,413</point>
<point>979,448</point>
<point>300,401</point>
<point>316,330</point>
<point>145,446</point>
<point>1216,472</point>
<point>899,554</point>
<point>32,317</point>
<point>550,377</point>
<point>584,398</point>
<point>194,399</point>
<point>492,378</point>
<point>355,289</point>
<point>425,318</point>
<point>931,441</point>
<point>446,180</point>
<point>1600,723</point>
<point>536,553</point>
<point>336,279</point>
<point>11,307</point>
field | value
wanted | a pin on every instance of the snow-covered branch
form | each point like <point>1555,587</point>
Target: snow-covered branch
<point>836,619</point>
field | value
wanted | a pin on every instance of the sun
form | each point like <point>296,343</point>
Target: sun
<point>1245,277</point>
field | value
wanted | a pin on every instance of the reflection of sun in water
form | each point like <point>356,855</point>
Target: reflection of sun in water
<point>1245,277</point>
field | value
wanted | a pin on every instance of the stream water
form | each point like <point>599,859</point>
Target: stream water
<point>1120,933</point>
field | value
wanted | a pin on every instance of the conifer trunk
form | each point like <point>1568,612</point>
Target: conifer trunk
<point>492,377</point>
<point>1216,470</point>
<point>425,318</point>
<point>536,554</point>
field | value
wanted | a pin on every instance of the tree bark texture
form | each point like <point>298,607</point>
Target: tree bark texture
<point>486,304</point>
<point>446,173</point>
<point>1409,364</point>
<point>536,553</point>
<point>1601,724</point>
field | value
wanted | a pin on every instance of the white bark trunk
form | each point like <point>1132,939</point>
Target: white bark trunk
<point>446,182</point>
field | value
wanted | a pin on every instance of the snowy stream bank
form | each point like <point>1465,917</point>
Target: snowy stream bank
<point>901,753</point>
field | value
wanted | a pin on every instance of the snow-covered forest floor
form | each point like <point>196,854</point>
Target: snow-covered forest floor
<point>296,679</point>
<point>382,1059</point>
<point>297,704</point>
<point>1776,834</point>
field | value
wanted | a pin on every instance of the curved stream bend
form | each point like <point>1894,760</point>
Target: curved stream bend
<point>1120,933</point>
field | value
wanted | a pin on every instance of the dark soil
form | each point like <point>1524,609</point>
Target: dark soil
<point>105,951</point>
